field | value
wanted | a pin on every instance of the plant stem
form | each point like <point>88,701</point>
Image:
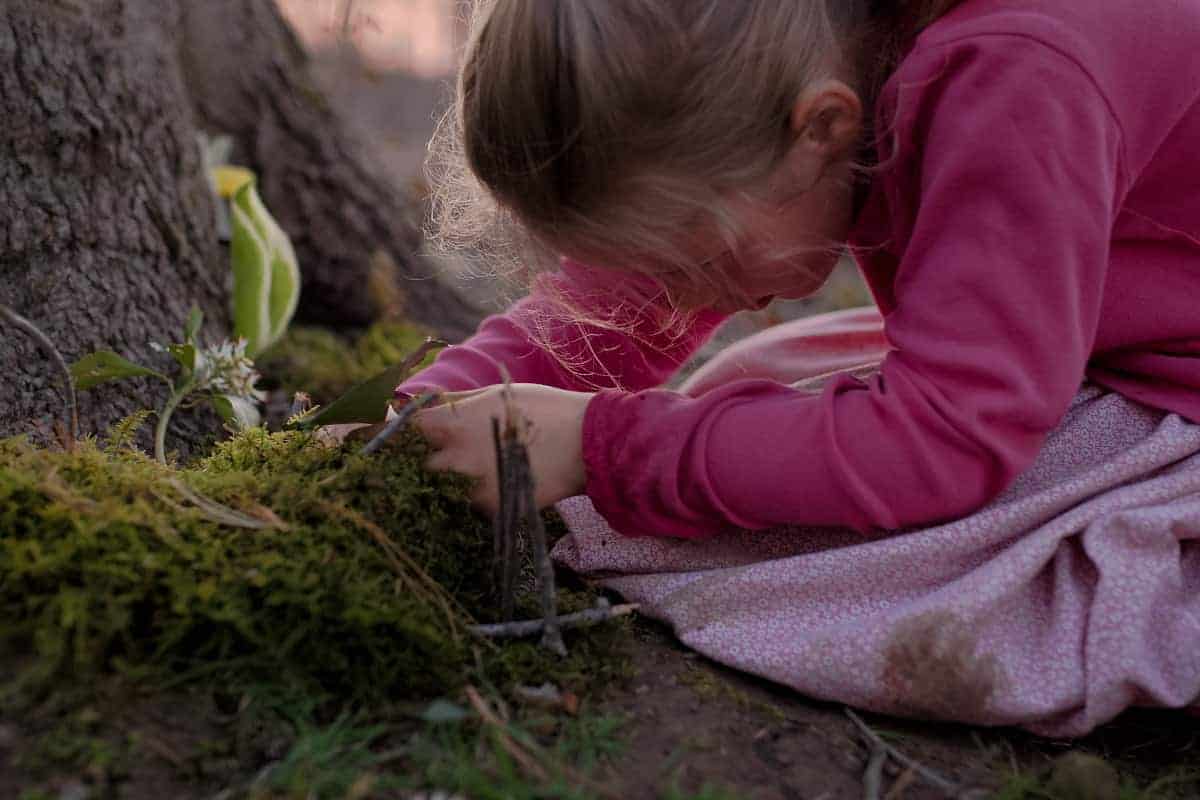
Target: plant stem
<point>164,416</point>
<point>42,339</point>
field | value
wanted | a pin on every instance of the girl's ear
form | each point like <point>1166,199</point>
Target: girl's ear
<point>827,121</point>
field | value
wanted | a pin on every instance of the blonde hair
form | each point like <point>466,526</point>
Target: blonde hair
<point>609,127</point>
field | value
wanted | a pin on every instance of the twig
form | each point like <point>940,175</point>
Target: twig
<point>499,531</point>
<point>551,635</point>
<point>508,517</point>
<point>878,743</point>
<point>579,619</point>
<point>18,321</point>
<point>399,421</point>
<point>873,777</point>
<point>218,512</point>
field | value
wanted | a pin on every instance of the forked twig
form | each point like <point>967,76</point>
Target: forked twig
<point>517,504</point>
<point>873,777</point>
<point>20,322</point>
<point>603,612</point>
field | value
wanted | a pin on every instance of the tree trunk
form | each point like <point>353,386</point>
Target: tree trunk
<point>109,233</point>
<point>355,235</point>
<point>108,224</point>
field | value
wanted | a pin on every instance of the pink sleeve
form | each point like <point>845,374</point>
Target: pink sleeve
<point>624,345</point>
<point>1015,160</point>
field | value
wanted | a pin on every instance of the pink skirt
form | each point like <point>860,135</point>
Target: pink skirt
<point>1071,597</point>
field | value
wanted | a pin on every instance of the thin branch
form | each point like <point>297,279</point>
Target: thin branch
<point>507,537</point>
<point>399,421</point>
<point>217,512</point>
<point>579,619</point>
<point>18,321</point>
<point>498,530</point>
<point>873,777</point>
<point>551,635</point>
<point>925,772</point>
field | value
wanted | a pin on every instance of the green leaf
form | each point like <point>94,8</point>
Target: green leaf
<point>443,711</point>
<point>194,321</point>
<point>367,402</point>
<point>251,278</point>
<point>105,365</point>
<point>277,277</point>
<point>240,412</point>
<point>185,355</point>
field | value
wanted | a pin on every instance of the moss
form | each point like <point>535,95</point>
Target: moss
<point>366,590</point>
<point>325,365</point>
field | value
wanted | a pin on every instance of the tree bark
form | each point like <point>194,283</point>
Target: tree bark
<point>108,224</point>
<point>109,230</point>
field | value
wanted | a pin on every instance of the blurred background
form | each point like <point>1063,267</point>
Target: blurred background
<point>388,67</point>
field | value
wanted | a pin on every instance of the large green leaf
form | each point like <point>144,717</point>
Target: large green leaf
<point>367,402</point>
<point>105,365</point>
<point>251,279</point>
<point>283,278</point>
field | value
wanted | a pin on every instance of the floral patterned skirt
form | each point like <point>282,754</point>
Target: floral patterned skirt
<point>1069,598</point>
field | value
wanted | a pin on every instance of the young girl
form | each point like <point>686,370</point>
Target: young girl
<point>998,522</point>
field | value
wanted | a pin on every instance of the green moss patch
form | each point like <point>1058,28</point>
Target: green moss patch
<point>364,587</point>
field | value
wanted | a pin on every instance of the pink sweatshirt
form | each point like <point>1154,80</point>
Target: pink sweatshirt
<point>1038,221</point>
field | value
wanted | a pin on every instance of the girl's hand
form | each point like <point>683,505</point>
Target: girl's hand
<point>460,431</point>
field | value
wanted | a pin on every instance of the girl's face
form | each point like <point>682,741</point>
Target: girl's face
<point>790,242</point>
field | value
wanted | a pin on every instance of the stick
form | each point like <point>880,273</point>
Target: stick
<point>579,619</point>
<point>218,512</point>
<point>873,777</point>
<point>551,635</point>
<point>399,421</point>
<point>43,340</point>
<point>523,483</point>
<point>508,519</point>
<point>937,780</point>
<point>497,521</point>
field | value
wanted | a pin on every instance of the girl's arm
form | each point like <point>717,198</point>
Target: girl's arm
<point>625,346</point>
<point>1016,162</point>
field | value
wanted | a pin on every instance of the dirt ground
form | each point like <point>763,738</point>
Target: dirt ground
<point>699,723</point>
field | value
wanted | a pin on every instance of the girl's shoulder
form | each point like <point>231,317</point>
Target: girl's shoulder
<point>1139,57</point>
